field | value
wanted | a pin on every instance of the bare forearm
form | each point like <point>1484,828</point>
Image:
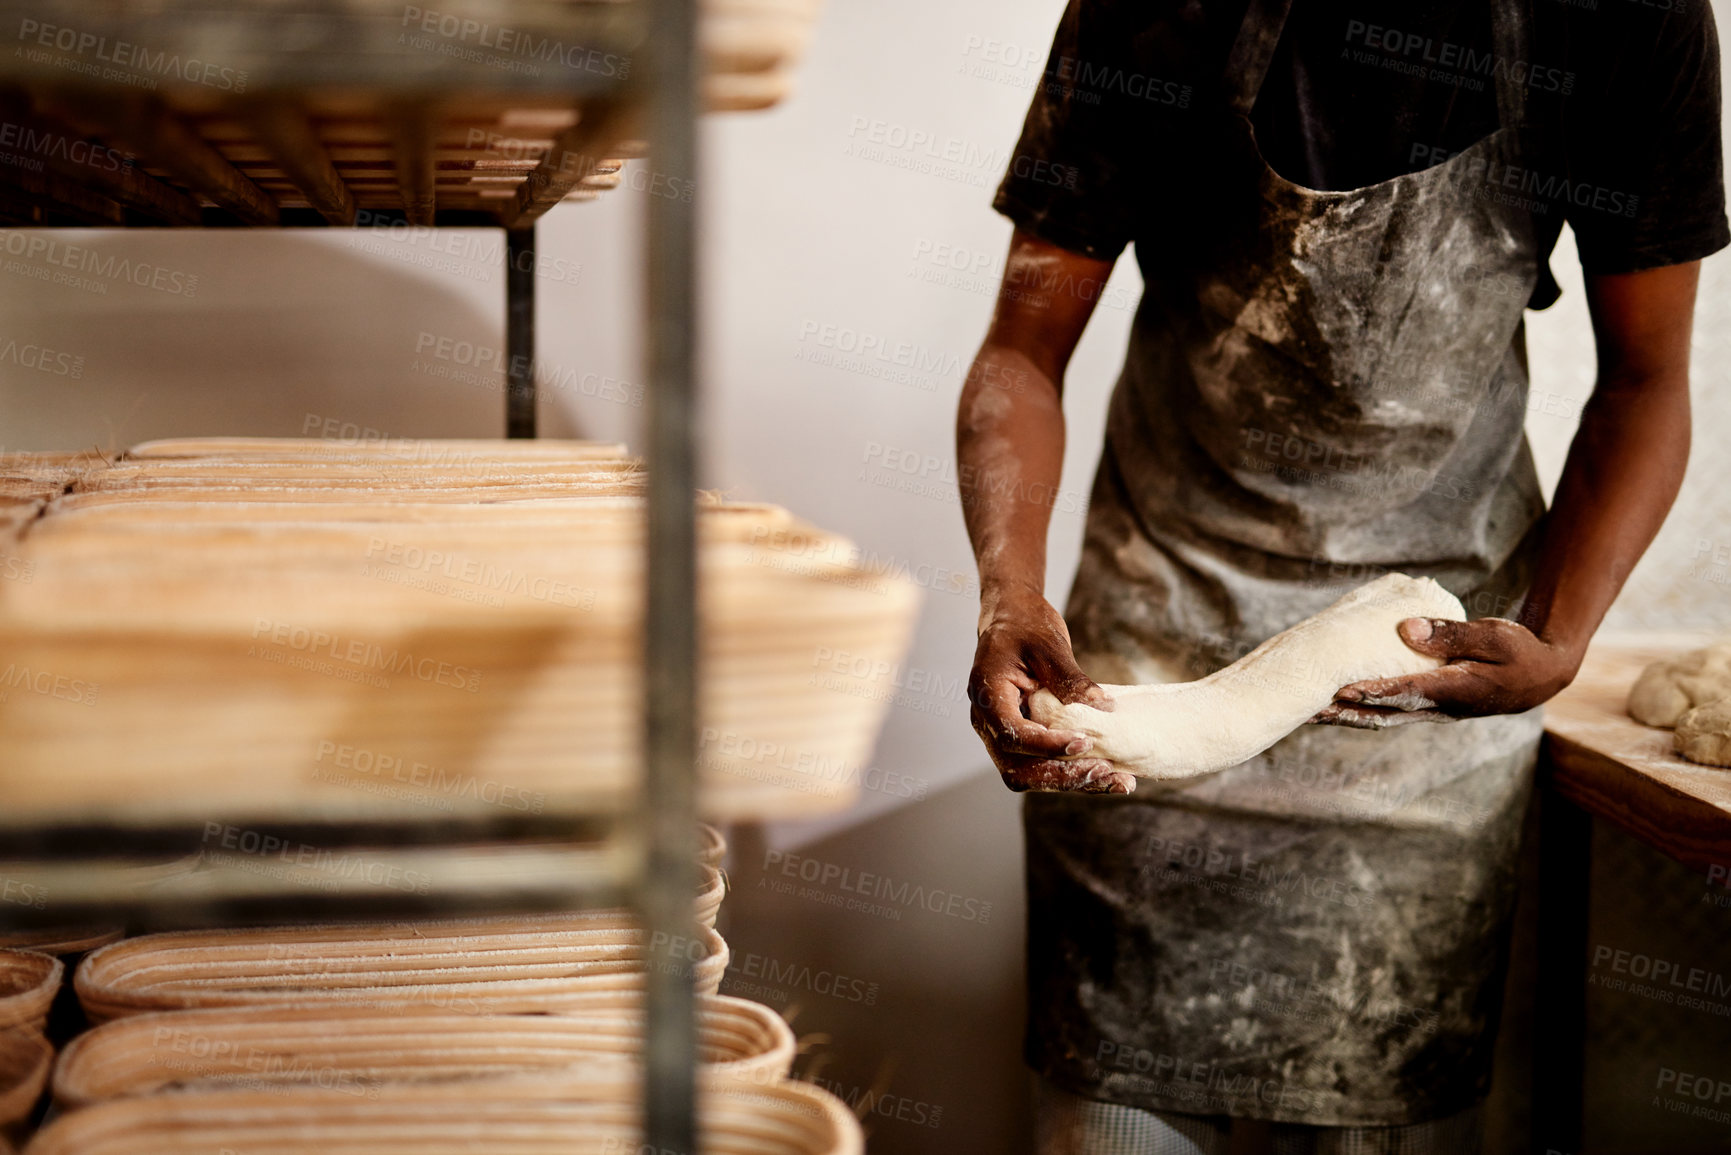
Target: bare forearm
<point>1010,455</point>
<point>1623,472</point>
<point>1627,460</point>
<point>1010,449</point>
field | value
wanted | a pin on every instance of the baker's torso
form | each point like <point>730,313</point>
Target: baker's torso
<point>1321,386</point>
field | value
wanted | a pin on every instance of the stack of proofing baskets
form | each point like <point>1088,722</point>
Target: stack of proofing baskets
<point>261,628</point>
<point>751,48</point>
<point>496,1035</point>
<point>29,981</point>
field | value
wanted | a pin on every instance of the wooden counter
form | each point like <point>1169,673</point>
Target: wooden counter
<point>1630,774</point>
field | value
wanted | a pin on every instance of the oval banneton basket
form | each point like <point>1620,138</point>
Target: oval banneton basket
<point>434,628</point>
<point>407,449</point>
<point>357,1049</point>
<point>61,940</point>
<point>711,845</point>
<point>576,1113</point>
<point>25,1057</point>
<point>541,964</point>
<point>712,889</point>
<point>28,982</point>
<point>711,884</point>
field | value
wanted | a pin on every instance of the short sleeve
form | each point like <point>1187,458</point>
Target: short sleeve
<point>1647,185</point>
<point>1073,177</point>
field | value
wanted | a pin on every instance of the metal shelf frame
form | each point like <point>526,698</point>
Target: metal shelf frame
<point>135,78</point>
<point>54,83</point>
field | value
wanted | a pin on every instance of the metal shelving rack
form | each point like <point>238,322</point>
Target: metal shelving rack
<point>137,78</point>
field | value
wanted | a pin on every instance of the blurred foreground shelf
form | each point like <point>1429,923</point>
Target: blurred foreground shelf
<point>175,113</point>
<point>142,573</point>
<point>276,632</point>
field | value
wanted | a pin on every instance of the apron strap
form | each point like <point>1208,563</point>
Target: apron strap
<point>1512,62</point>
<point>1252,52</point>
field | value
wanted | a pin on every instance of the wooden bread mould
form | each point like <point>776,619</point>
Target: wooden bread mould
<point>25,1058</point>
<point>29,981</point>
<point>590,1112</point>
<point>279,629</point>
<point>505,965</point>
<point>359,1049</point>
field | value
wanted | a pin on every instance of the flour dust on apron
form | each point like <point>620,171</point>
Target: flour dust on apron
<point>1327,386</point>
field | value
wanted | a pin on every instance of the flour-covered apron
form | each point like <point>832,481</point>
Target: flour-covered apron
<point>1330,385</point>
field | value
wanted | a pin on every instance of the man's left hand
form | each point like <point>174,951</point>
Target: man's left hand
<point>1495,666</point>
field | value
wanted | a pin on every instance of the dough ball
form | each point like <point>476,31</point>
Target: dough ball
<point>1656,699</point>
<point>1668,689</point>
<point>1704,733</point>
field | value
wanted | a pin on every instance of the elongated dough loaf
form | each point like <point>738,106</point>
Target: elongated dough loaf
<point>1189,728</point>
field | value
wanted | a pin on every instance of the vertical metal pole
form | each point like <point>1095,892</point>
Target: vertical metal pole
<point>670,624</point>
<point>520,332</point>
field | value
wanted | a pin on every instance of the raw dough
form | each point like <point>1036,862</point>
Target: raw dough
<point>1666,690</point>
<point>1692,693</point>
<point>1190,728</point>
<point>1704,733</point>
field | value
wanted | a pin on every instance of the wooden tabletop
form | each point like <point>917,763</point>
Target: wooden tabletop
<point>1616,768</point>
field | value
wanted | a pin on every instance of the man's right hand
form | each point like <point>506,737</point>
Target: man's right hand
<point>1024,645</point>
<point>1010,460</point>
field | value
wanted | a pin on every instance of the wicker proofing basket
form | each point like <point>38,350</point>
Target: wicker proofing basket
<point>338,1047</point>
<point>28,982</point>
<point>711,886</point>
<point>711,845</point>
<point>190,593</point>
<point>61,940</point>
<point>542,964</point>
<point>25,1057</point>
<point>65,1018</point>
<point>586,1113</point>
<point>711,890</point>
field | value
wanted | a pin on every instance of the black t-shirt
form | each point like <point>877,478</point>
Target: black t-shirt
<point>1623,109</point>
